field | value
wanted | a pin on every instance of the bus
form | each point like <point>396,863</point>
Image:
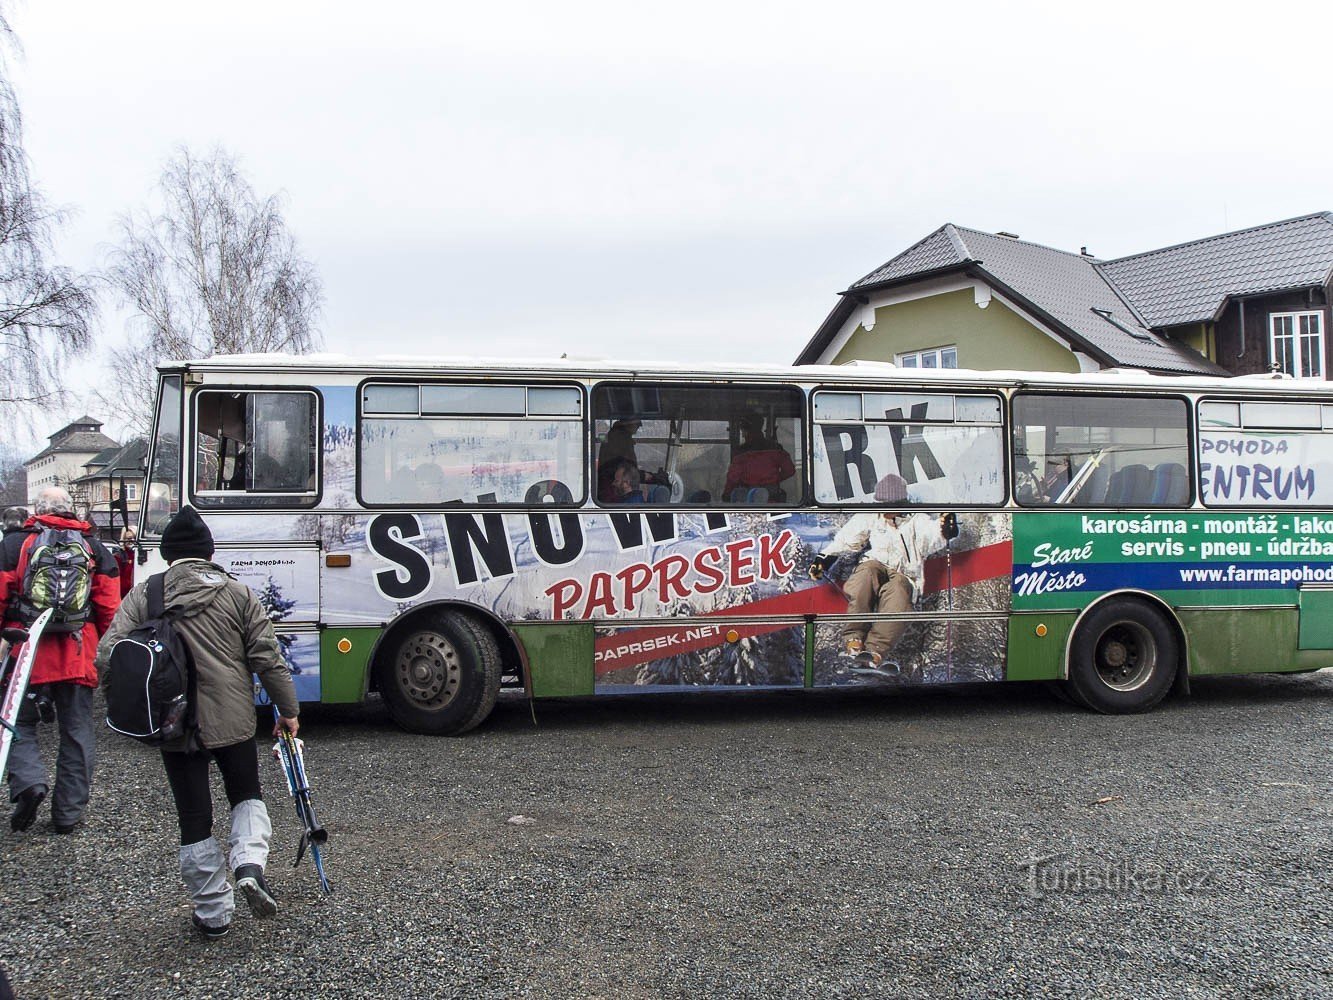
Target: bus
<point>438,531</point>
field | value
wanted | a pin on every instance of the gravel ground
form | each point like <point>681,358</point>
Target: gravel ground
<point>982,841</point>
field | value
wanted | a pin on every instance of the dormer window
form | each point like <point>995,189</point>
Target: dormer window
<point>1296,343</point>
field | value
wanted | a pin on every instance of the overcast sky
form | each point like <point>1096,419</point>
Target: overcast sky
<point>692,181</point>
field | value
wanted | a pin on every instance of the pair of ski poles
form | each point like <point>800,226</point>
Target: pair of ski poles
<point>313,836</point>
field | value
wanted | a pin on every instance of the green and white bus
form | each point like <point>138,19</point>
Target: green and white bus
<point>436,531</point>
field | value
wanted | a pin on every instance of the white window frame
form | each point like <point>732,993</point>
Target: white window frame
<point>917,359</point>
<point>1297,336</point>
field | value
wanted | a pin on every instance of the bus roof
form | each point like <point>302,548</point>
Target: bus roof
<point>858,371</point>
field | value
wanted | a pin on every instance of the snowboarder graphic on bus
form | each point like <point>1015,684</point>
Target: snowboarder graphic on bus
<point>893,547</point>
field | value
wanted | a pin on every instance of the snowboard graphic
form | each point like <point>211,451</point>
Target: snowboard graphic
<point>17,685</point>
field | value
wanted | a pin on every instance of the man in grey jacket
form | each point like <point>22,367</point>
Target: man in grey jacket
<point>230,637</point>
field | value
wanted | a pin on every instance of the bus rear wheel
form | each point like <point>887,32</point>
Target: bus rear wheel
<point>1123,658</point>
<point>440,674</point>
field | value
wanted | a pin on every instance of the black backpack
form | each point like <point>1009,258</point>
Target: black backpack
<point>150,685</point>
<point>56,571</point>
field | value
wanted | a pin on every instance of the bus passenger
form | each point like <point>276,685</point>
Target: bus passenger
<point>757,462</point>
<point>619,442</point>
<point>618,482</point>
<point>891,570</point>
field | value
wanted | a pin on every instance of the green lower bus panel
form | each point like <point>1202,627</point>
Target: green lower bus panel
<point>1253,640</point>
<point>1316,610</point>
<point>560,657</point>
<point>344,659</point>
<point>1037,646</point>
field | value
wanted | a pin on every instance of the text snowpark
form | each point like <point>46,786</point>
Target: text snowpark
<point>480,548</point>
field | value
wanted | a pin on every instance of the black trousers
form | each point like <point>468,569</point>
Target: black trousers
<point>187,773</point>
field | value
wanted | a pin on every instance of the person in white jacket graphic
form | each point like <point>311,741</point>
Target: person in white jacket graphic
<point>889,575</point>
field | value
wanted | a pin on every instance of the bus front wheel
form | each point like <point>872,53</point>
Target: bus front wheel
<point>440,674</point>
<point>1123,658</point>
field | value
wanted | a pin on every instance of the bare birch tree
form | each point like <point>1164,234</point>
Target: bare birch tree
<point>212,270</point>
<point>45,310</point>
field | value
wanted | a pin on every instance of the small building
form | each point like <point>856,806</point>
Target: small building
<point>109,494</point>
<point>1236,303</point>
<point>64,459</point>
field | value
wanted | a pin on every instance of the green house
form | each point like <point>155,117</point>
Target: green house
<point>1237,303</point>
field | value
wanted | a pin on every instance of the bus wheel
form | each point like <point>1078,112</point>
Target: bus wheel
<point>1123,658</point>
<point>440,674</point>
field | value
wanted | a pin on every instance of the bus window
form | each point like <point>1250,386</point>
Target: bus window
<point>1100,451</point>
<point>163,499</point>
<point>946,448</point>
<point>471,443</point>
<point>698,445</point>
<point>255,447</point>
<point>1262,452</point>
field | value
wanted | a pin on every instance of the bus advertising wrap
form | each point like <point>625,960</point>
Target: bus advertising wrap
<point>1188,558</point>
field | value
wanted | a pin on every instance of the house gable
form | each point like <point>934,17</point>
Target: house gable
<point>993,337</point>
<point>1062,294</point>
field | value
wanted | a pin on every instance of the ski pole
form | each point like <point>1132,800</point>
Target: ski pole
<point>948,625</point>
<point>289,754</point>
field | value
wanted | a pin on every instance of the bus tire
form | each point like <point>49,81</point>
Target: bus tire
<point>1124,657</point>
<point>440,674</point>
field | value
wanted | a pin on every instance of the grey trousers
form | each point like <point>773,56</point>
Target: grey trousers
<point>74,759</point>
<point>202,863</point>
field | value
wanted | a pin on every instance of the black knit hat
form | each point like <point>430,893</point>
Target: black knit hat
<point>187,537</point>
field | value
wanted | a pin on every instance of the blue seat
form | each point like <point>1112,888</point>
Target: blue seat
<point>1129,486</point>
<point>1171,486</point>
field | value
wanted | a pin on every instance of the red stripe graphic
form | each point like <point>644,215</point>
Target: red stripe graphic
<point>969,566</point>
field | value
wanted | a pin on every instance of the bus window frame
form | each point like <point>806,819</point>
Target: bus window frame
<point>916,389</point>
<point>1242,399</point>
<point>178,374</point>
<point>583,419</point>
<point>801,440</point>
<point>1191,445</point>
<point>219,501</point>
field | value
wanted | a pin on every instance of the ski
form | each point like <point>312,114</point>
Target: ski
<point>313,836</point>
<point>19,669</point>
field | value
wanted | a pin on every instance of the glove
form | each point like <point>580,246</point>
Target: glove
<point>822,564</point>
<point>949,526</point>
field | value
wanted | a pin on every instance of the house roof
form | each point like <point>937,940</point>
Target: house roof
<point>92,442</point>
<point>102,457</point>
<point>1063,290</point>
<point>1192,282</point>
<point>123,460</point>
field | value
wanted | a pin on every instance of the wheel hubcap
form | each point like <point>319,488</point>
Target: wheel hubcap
<point>428,670</point>
<point>1126,656</point>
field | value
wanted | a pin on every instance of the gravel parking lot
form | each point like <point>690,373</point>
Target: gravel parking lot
<point>979,841</point>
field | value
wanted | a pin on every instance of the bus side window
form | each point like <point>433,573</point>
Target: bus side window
<point>920,448</point>
<point>1084,450</point>
<point>438,443</point>
<point>698,445</point>
<point>250,445</point>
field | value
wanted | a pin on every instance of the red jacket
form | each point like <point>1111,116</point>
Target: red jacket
<point>66,657</point>
<point>767,466</point>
